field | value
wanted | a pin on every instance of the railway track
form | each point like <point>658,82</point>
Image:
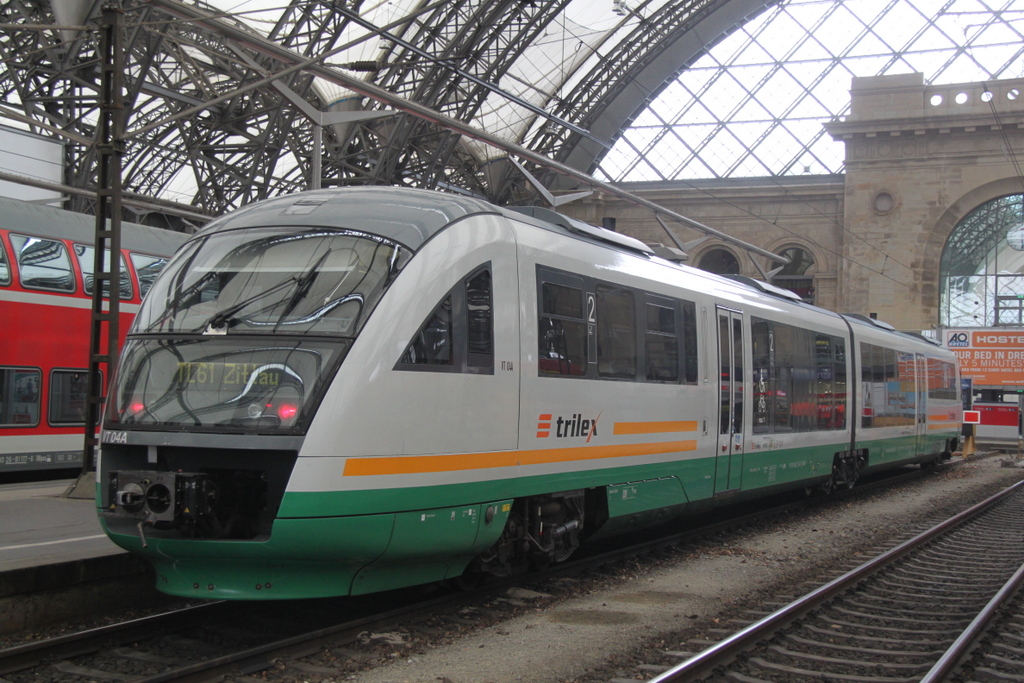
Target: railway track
<point>205,642</point>
<point>914,613</point>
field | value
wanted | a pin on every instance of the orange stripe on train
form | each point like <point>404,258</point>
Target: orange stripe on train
<point>420,464</point>
<point>654,427</point>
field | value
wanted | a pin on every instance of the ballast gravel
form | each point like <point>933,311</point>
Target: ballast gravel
<point>659,605</point>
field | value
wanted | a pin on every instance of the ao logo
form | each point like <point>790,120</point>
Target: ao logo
<point>957,339</point>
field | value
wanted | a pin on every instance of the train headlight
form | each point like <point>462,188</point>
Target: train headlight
<point>287,412</point>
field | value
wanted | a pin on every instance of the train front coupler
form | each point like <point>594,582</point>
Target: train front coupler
<point>161,500</point>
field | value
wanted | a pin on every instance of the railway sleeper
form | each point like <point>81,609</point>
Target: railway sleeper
<point>818,675</point>
<point>852,663</point>
<point>934,653</point>
<point>839,624</point>
<point>984,674</point>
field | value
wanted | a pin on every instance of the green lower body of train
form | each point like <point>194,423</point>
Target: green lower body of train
<point>355,542</point>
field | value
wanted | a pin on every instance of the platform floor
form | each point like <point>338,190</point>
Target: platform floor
<point>39,527</point>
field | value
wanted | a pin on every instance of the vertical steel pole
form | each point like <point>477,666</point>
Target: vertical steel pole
<point>107,254</point>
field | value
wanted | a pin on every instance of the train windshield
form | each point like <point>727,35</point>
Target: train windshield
<point>222,383</point>
<point>272,281</point>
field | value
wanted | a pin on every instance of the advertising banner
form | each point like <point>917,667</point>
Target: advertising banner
<point>989,357</point>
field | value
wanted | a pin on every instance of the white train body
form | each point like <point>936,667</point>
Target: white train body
<point>522,384</point>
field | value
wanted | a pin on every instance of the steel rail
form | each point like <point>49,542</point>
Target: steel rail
<point>375,92</point>
<point>716,655</point>
<point>965,642</point>
<point>74,644</point>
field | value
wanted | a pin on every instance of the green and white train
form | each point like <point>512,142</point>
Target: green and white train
<point>352,390</point>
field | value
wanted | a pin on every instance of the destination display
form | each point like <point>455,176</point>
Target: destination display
<point>229,374</point>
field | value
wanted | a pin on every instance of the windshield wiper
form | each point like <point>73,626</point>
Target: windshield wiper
<point>223,318</point>
<point>305,283</point>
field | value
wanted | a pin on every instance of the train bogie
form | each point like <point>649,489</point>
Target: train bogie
<point>507,386</point>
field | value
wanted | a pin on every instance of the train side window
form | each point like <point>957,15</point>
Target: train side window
<point>826,392</point>
<point>867,381</point>
<point>763,349</point>
<point>480,320</point>
<point>19,396</point>
<point>562,334</point>
<point>86,257</point>
<point>147,268</point>
<point>67,397</point>
<point>43,263</point>
<point>888,386</point>
<point>432,345</point>
<point>839,346</point>
<point>941,380</point>
<point>690,365</point>
<point>458,336</point>
<point>661,340</point>
<point>616,332</point>
<point>5,268</point>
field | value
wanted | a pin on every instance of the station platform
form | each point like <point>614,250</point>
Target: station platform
<point>55,559</point>
<point>40,527</point>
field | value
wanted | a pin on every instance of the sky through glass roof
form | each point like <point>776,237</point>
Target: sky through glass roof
<point>756,103</point>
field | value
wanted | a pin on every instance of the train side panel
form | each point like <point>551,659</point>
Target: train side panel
<point>908,406</point>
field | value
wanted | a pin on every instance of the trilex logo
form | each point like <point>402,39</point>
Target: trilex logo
<point>575,426</point>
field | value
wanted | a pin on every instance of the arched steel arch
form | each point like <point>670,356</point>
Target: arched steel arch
<point>257,143</point>
<point>616,91</point>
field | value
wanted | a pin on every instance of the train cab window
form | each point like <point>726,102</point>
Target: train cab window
<point>433,343</point>
<point>458,336</point>
<point>563,337</point>
<point>661,340</point>
<point>43,263</point>
<point>5,268</point>
<point>19,397</point>
<point>86,257</point>
<point>67,397</point>
<point>616,332</point>
<point>480,322</point>
<point>147,268</point>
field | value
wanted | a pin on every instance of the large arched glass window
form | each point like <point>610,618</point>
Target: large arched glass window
<point>981,275</point>
<point>797,275</point>
<point>720,261</point>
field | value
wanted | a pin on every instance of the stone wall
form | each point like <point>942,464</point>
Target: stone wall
<point>918,159</point>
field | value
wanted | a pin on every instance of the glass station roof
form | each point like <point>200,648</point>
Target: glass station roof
<point>755,103</point>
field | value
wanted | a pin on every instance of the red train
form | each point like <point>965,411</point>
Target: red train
<point>46,262</point>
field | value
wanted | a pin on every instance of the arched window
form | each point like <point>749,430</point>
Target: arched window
<point>797,275</point>
<point>981,274</point>
<point>720,262</point>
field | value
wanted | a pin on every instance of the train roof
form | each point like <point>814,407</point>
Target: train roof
<point>405,215</point>
<point>47,221</point>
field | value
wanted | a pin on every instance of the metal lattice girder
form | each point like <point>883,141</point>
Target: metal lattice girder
<point>447,56</point>
<point>971,244</point>
<point>470,60</point>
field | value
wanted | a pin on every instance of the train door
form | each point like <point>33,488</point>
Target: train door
<point>729,458</point>
<point>922,404</point>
